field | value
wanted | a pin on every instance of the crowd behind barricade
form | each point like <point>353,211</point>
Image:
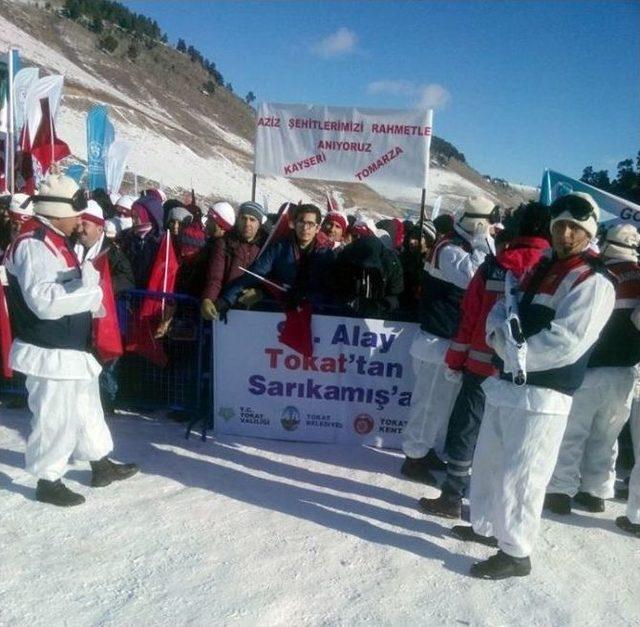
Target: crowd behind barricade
<point>525,362</point>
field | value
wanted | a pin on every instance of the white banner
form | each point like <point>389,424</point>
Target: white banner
<point>355,389</point>
<point>21,85</point>
<point>343,143</point>
<point>46,87</point>
<point>115,164</point>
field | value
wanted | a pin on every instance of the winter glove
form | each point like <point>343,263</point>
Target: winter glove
<point>208,309</point>
<point>453,376</point>
<point>162,329</point>
<point>250,297</point>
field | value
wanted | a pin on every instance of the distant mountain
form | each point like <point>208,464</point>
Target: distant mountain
<point>187,130</point>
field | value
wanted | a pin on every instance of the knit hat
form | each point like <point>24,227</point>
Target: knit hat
<point>59,197</point>
<point>93,213</point>
<point>16,207</point>
<point>253,209</point>
<point>477,214</point>
<point>123,205</point>
<point>152,208</point>
<point>223,215</point>
<point>579,208</point>
<point>363,227</point>
<point>429,230</point>
<point>622,242</point>
<point>338,218</point>
<point>180,214</point>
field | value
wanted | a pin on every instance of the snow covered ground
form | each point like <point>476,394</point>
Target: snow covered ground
<point>245,532</point>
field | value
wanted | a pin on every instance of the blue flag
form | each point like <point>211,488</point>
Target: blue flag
<point>612,208</point>
<point>100,135</point>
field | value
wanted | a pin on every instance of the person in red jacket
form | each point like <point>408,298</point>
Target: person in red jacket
<point>470,358</point>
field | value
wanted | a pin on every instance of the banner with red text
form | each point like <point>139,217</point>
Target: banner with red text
<point>356,388</point>
<point>343,143</point>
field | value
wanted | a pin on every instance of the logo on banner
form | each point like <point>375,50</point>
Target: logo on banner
<point>363,424</point>
<point>290,418</point>
<point>95,150</point>
<point>227,413</point>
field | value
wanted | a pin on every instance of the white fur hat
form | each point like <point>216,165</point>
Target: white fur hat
<point>568,206</point>
<point>17,200</point>
<point>223,215</point>
<point>622,242</point>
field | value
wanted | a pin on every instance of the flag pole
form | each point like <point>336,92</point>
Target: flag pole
<point>253,187</point>
<point>166,267</point>
<point>51,138</point>
<point>11,152</point>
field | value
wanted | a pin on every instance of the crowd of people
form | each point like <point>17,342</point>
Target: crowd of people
<point>516,407</point>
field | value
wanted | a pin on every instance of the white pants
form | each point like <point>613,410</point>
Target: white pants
<point>633,504</point>
<point>431,404</point>
<point>587,458</point>
<point>67,420</point>
<point>514,458</point>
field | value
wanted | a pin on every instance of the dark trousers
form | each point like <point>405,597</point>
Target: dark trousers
<point>109,384</point>
<point>462,434</point>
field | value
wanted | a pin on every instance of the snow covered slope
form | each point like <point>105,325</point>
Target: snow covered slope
<point>181,137</point>
<point>256,532</point>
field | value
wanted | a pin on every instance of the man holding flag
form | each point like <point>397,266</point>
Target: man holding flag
<point>52,302</point>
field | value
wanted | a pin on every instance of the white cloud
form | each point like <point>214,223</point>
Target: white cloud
<point>431,95</point>
<point>396,88</point>
<point>343,41</point>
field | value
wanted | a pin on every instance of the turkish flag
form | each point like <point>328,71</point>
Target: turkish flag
<point>46,146</point>
<point>107,341</point>
<point>5,335</point>
<point>296,331</point>
<point>141,336</point>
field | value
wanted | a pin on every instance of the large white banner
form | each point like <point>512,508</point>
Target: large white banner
<point>343,143</point>
<point>356,388</point>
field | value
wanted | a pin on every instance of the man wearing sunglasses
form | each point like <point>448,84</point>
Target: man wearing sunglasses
<point>51,301</point>
<point>564,303</point>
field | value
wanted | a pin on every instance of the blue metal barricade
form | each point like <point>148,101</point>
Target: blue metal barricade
<point>160,372</point>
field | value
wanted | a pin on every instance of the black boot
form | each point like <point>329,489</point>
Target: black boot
<point>557,503</point>
<point>416,468</point>
<point>446,505</point>
<point>626,525</point>
<point>434,462</point>
<point>501,566</point>
<point>467,534</point>
<point>56,493</point>
<point>106,472</point>
<point>591,503</point>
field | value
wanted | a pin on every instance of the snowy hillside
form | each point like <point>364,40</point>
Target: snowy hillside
<point>256,532</point>
<point>182,138</point>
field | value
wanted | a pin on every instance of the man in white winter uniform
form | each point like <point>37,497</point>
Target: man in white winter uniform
<point>631,522</point>
<point>51,302</point>
<point>451,265</point>
<point>585,470</point>
<point>565,302</point>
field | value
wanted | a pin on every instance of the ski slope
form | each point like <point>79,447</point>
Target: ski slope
<point>256,532</point>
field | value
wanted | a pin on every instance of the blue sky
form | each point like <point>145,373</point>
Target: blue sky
<point>516,86</point>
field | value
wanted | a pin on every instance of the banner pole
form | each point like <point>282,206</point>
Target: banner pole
<point>422,202</point>
<point>253,187</point>
<point>11,153</point>
<point>166,269</point>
